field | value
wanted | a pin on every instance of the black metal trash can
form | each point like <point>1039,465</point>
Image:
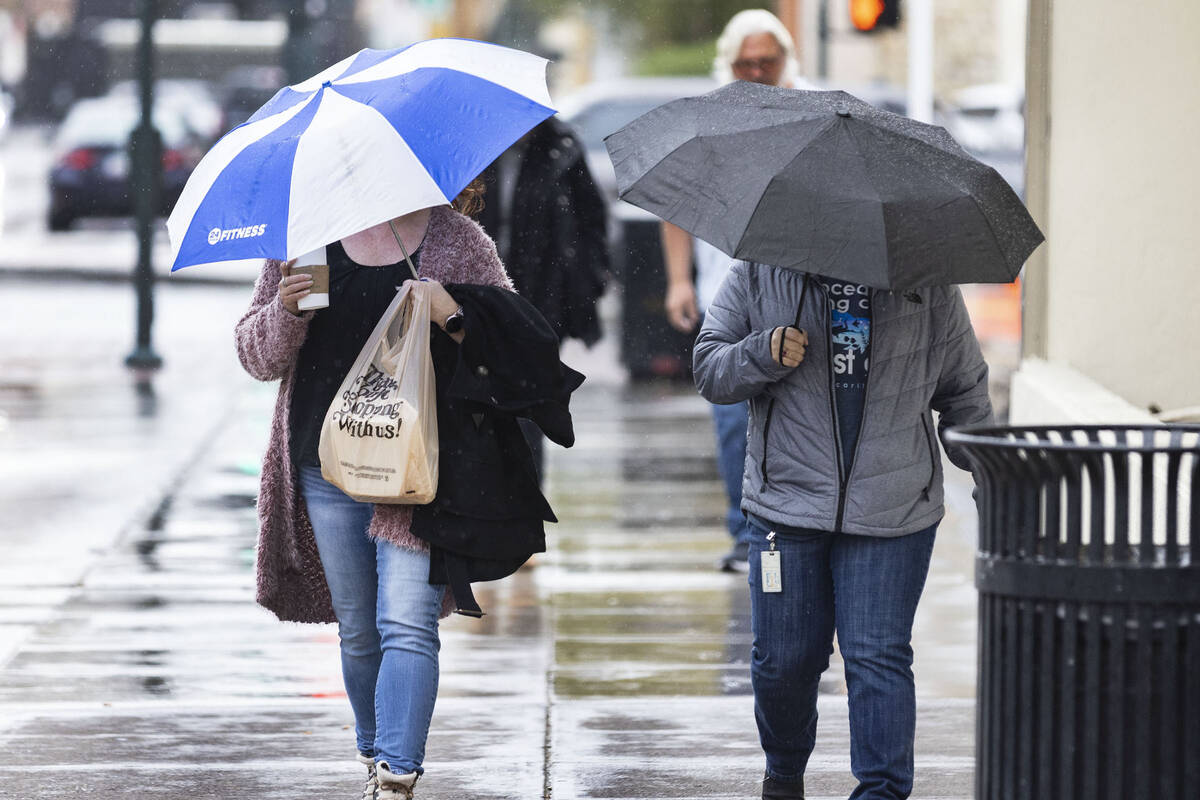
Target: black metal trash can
<point>1089,612</point>
<point>650,347</point>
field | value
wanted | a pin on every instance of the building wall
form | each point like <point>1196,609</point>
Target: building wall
<point>1114,181</point>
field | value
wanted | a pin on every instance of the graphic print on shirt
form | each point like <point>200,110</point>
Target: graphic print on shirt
<point>850,329</point>
<point>850,352</point>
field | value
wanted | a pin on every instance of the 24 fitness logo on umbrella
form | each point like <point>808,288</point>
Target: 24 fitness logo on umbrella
<point>216,235</point>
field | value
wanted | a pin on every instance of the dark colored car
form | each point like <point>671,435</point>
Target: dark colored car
<point>195,99</point>
<point>90,177</point>
<point>598,109</point>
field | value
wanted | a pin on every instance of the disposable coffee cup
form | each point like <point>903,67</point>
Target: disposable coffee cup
<point>316,265</point>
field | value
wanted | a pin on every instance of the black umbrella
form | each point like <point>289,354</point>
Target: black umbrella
<point>825,183</point>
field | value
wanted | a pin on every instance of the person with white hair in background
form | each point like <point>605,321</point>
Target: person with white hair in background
<point>755,46</point>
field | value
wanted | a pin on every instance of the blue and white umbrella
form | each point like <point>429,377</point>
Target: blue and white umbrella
<point>380,134</point>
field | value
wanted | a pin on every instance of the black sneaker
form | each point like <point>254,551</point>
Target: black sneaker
<point>736,560</point>
<point>774,789</point>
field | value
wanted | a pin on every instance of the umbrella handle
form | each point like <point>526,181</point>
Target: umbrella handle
<point>800,308</point>
<point>403,249</point>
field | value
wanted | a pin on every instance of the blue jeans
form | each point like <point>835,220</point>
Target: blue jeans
<point>731,424</point>
<point>387,615</point>
<point>865,588</point>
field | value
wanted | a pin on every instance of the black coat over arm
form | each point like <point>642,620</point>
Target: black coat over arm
<point>488,516</point>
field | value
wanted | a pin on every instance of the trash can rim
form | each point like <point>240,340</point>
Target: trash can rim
<point>990,436</point>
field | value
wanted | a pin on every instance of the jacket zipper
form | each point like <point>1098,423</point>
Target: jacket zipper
<point>766,430</point>
<point>932,456</point>
<point>844,470</point>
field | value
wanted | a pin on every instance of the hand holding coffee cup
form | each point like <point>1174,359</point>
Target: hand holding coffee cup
<point>292,288</point>
<point>316,266</point>
<point>305,283</point>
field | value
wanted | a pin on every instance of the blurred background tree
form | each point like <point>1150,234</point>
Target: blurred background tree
<point>675,37</point>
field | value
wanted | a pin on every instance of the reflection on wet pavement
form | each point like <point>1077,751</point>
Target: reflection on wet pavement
<point>652,644</point>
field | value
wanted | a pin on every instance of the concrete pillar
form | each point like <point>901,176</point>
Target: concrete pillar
<point>1112,171</point>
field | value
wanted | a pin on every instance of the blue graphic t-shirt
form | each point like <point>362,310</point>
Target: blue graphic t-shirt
<point>849,349</point>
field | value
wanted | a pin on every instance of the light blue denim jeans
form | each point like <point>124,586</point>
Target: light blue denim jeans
<point>387,615</point>
<point>731,422</point>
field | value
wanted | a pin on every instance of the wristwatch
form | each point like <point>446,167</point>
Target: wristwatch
<point>454,322</point>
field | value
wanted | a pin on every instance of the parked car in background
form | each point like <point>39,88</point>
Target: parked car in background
<point>194,99</point>
<point>988,118</point>
<point>246,89</point>
<point>989,121</point>
<point>90,176</point>
<point>600,108</point>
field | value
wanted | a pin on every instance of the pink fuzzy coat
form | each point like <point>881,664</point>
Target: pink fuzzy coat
<point>291,582</point>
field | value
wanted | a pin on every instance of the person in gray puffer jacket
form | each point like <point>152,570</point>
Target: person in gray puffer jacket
<point>843,490</point>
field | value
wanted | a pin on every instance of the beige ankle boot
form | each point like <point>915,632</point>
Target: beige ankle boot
<point>392,786</point>
<point>371,787</point>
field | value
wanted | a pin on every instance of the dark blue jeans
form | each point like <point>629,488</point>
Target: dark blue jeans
<point>866,589</point>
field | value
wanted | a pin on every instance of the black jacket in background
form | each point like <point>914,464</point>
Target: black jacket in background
<point>488,516</point>
<point>558,245</point>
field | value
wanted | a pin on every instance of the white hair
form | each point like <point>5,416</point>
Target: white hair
<point>747,23</point>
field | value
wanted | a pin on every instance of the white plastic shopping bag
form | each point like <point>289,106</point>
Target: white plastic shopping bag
<point>379,441</point>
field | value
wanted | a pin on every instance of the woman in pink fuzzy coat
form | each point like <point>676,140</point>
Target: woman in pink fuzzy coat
<point>322,556</point>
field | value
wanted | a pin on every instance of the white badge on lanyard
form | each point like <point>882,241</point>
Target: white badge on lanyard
<point>772,567</point>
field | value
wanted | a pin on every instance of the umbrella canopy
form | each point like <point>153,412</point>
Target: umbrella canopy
<point>378,135</point>
<point>825,183</point>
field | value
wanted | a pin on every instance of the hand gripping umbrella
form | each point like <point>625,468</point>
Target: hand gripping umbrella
<point>824,183</point>
<point>380,134</point>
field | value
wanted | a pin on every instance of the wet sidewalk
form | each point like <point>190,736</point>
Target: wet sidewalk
<point>614,667</point>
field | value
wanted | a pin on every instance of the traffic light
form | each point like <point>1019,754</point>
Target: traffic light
<point>872,15</point>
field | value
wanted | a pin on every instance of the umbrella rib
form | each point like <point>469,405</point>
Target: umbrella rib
<point>882,203</point>
<point>963,194</point>
<point>672,152</point>
<point>791,161</point>
<point>383,78</point>
<point>877,113</point>
<point>994,238</point>
<point>696,137</point>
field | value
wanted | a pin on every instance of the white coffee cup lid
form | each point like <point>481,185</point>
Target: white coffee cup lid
<point>312,257</point>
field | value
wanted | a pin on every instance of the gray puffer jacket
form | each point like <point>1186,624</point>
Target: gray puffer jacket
<point>924,357</point>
